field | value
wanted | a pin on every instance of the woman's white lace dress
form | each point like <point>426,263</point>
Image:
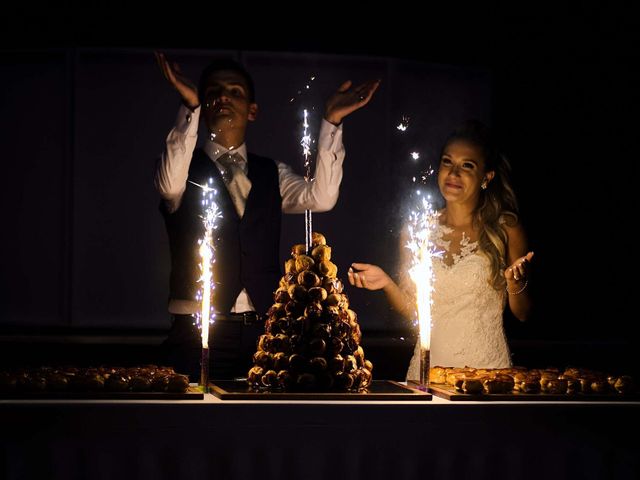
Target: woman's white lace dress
<point>467,327</point>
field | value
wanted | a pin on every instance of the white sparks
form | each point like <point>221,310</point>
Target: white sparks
<point>205,188</point>
<point>305,142</point>
<point>404,124</point>
<point>304,89</point>
<point>207,253</point>
<point>422,224</point>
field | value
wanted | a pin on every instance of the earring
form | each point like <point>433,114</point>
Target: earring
<point>484,185</point>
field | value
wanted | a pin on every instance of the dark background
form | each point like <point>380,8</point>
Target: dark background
<point>79,87</point>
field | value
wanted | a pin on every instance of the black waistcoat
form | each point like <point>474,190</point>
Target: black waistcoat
<point>246,250</point>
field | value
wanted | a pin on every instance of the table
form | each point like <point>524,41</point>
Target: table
<point>309,440</point>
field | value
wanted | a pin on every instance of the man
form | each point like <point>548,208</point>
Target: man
<point>257,191</point>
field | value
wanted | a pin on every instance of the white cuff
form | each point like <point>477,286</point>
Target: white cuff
<point>330,136</point>
<point>187,121</point>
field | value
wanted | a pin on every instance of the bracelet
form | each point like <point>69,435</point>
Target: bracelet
<point>526,282</point>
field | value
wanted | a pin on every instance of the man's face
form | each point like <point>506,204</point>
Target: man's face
<point>226,103</point>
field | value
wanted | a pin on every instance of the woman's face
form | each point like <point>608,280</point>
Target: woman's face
<point>462,172</point>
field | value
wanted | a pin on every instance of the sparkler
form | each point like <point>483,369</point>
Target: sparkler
<point>422,224</point>
<point>423,221</point>
<point>305,142</point>
<point>206,315</point>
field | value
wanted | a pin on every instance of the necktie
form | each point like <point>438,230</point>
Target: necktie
<point>236,180</point>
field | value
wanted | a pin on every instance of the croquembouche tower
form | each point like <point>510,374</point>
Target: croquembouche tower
<point>312,337</point>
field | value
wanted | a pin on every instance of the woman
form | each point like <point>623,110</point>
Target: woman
<point>484,261</point>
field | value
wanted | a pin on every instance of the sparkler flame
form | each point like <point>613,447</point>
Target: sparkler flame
<point>422,224</point>
<point>305,142</point>
<point>210,219</point>
<point>206,253</point>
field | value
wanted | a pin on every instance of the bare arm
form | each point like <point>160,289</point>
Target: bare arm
<point>517,274</point>
<point>372,277</point>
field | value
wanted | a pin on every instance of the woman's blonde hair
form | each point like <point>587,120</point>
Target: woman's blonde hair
<point>498,206</point>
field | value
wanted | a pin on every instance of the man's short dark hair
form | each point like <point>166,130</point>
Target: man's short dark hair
<point>226,64</point>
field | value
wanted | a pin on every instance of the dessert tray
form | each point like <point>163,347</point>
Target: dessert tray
<point>378,390</point>
<point>192,393</point>
<point>449,392</point>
